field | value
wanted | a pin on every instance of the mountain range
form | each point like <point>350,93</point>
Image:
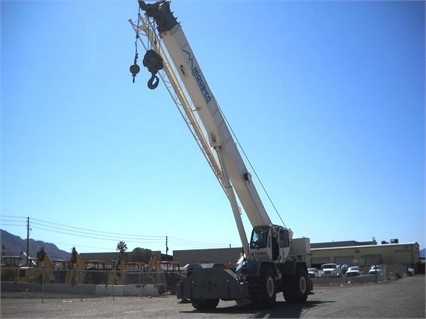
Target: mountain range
<point>15,246</point>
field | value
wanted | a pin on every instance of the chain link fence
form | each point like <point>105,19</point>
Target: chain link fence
<point>89,283</point>
<point>381,273</point>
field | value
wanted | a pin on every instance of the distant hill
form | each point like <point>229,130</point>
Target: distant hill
<point>15,245</point>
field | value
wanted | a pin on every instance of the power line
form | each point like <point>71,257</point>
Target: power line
<point>80,232</point>
<point>13,225</point>
<point>94,234</point>
<point>8,220</point>
<point>195,243</point>
<point>12,217</point>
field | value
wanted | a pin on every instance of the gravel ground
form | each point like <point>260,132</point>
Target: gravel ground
<point>404,298</point>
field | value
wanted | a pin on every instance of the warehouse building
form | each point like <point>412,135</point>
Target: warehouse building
<point>363,254</point>
<point>407,254</point>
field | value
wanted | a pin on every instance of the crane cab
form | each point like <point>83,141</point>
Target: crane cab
<point>269,243</point>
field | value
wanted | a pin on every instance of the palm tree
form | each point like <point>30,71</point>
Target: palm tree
<point>122,247</point>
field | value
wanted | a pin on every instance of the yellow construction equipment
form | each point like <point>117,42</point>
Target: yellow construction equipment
<point>76,269</point>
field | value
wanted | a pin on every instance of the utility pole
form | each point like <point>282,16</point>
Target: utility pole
<point>28,239</point>
<point>167,246</point>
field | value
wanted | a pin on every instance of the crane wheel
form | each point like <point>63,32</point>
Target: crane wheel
<point>262,289</point>
<point>204,304</point>
<point>297,287</point>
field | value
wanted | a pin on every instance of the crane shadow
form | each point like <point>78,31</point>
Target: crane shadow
<point>281,309</point>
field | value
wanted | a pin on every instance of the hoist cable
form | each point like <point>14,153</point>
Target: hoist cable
<point>134,68</point>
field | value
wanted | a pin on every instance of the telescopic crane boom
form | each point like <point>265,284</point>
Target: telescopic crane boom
<point>266,268</point>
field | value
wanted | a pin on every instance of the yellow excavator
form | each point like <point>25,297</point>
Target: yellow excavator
<point>43,267</point>
<point>156,274</point>
<point>118,272</point>
<point>77,266</point>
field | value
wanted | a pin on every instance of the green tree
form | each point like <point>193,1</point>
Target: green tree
<point>141,254</point>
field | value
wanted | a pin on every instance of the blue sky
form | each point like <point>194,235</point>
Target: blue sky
<point>326,98</point>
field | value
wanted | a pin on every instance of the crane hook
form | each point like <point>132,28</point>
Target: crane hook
<point>153,62</point>
<point>153,81</point>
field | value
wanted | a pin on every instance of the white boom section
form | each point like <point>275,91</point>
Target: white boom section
<point>184,106</point>
<point>214,123</point>
<point>233,174</point>
<point>189,115</point>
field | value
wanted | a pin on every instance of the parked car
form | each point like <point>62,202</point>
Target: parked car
<point>344,268</point>
<point>331,270</point>
<point>375,269</point>
<point>353,271</point>
<point>313,272</point>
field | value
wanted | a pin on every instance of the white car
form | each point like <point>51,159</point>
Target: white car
<point>313,272</point>
<point>331,270</point>
<point>375,269</point>
<point>353,271</point>
<point>411,271</point>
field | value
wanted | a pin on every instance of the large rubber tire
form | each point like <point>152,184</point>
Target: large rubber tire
<point>262,289</point>
<point>297,287</point>
<point>205,304</point>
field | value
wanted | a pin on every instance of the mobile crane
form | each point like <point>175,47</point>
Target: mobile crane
<point>272,262</point>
